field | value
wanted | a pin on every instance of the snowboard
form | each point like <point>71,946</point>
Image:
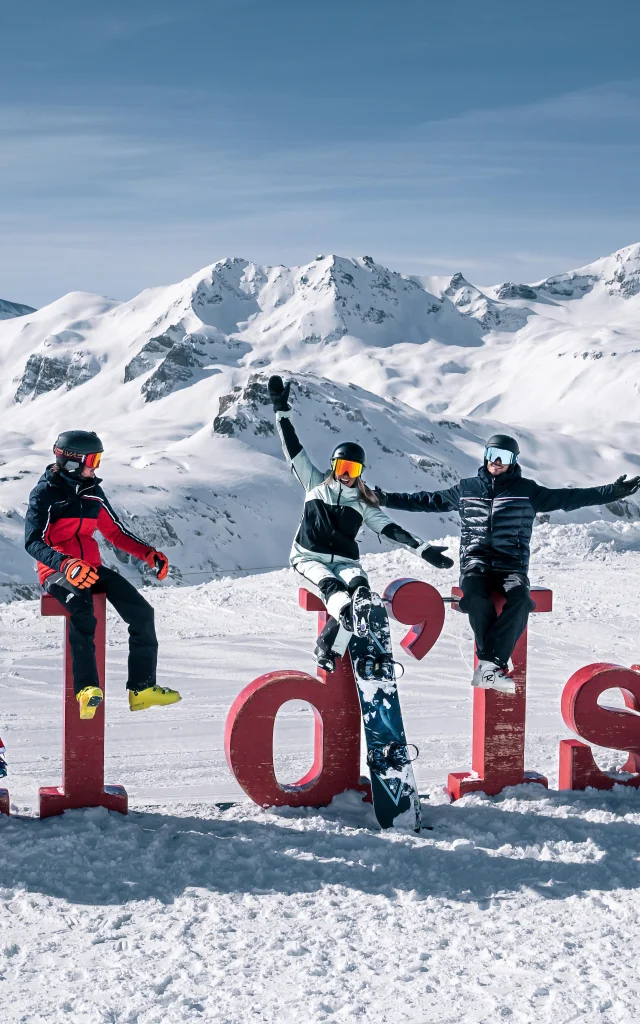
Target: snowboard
<point>393,785</point>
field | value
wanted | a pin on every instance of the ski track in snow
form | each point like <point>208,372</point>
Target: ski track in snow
<point>523,907</point>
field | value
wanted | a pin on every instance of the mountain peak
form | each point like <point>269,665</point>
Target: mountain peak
<point>8,310</point>
<point>618,274</point>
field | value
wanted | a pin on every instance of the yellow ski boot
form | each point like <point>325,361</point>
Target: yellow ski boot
<point>89,699</point>
<point>140,700</point>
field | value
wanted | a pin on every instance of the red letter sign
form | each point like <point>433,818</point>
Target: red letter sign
<point>83,741</point>
<point>248,734</point>
<point>607,727</point>
<point>499,724</point>
<point>419,605</point>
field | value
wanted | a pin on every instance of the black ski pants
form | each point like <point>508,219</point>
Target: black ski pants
<point>136,612</point>
<point>496,635</point>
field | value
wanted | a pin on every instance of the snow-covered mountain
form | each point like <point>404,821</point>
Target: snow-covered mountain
<point>11,309</point>
<point>417,369</point>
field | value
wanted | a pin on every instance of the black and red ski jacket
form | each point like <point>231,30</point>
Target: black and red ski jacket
<point>62,518</point>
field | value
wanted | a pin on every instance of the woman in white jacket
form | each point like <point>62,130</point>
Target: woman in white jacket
<point>325,551</point>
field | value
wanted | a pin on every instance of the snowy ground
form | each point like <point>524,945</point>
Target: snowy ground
<point>524,907</point>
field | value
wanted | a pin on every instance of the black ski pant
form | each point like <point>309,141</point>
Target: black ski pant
<point>136,612</point>
<point>496,635</point>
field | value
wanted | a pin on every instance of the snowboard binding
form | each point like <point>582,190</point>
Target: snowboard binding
<point>395,755</point>
<point>379,666</point>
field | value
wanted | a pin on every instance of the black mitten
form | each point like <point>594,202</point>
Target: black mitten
<point>279,393</point>
<point>623,488</point>
<point>433,555</point>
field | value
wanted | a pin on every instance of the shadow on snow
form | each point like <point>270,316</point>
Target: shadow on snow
<point>473,853</point>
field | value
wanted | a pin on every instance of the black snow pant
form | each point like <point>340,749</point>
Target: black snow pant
<point>136,612</point>
<point>496,635</point>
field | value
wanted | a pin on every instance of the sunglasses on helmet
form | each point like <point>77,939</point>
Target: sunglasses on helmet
<point>502,455</point>
<point>342,466</point>
<point>92,461</point>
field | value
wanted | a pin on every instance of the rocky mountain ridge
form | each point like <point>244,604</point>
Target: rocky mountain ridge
<point>174,381</point>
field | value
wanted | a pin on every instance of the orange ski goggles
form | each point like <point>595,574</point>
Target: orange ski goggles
<point>92,461</point>
<point>342,466</point>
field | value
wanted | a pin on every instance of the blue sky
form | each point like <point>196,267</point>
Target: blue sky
<point>141,141</point>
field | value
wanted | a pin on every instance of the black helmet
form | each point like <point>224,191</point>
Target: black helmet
<point>72,447</point>
<point>504,442</point>
<point>351,451</point>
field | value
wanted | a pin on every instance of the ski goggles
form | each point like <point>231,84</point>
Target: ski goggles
<point>342,466</point>
<point>502,455</point>
<point>92,461</point>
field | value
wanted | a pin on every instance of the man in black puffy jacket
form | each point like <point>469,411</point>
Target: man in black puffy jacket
<point>497,509</point>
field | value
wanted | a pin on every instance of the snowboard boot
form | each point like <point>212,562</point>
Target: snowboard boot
<point>360,611</point>
<point>490,676</point>
<point>325,660</point>
<point>152,696</point>
<point>89,699</point>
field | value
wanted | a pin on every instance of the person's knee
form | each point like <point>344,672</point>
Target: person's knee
<point>330,586</point>
<point>475,603</point>
<point>358,581</point>
<point>519,597</point>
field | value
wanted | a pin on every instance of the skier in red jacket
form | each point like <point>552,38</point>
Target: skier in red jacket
<point>66,507</point>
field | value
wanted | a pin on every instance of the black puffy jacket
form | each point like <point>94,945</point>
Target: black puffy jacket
<point>497,513</point>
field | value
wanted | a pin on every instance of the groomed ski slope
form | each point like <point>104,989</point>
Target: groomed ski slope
<point>521,908</point>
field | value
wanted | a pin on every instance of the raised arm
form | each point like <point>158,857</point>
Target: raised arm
<point>567,499</point>
<point>422,501</point>
<point>301,465</point>
<point>379,522</point>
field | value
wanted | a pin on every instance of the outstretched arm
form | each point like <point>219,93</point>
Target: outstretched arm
<point>379,522</point>
<point>422,501</point>
<point>115,531</point>
<point>302,466</point>
<point>567,499</point>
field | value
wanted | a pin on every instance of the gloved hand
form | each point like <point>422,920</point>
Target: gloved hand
<point>623,487</point>
<point>279,393</point>
<point>380,495</point>
<point>156,560</point>
<point>78,573</point>
<point>432,553</point>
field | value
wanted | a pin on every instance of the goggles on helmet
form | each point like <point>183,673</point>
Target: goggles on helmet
<point>502,455</point>
<point>92,461</point>
<point>342,466</point>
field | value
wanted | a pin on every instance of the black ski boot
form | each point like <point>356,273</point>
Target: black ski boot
<point>324,659</point>
<point>360,611</point>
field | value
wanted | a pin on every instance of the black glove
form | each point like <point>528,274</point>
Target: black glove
<point>433,555</point>
<point>380,495</point>
<point>279,394</point>
<point>622,488</point>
